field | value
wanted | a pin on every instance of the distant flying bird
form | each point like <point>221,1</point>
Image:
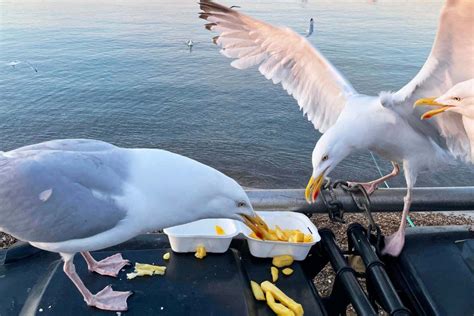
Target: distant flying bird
<point>78,195</point>
<point>311,28</point>
<point>386,124</point>
<point>235,6</point>
<point>14,63</point>
<point>459,99</point>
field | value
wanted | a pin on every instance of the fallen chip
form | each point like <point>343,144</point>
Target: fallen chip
<point>143,269</point>
<point>279,309</point>
<point>219,230</point>
<point>282,261</point>
<point>274,272</point>
<point>257,291</point>
<point>282,297</point>
<point>166,256</point>
<point>200,252</point>
<point>287,271</point>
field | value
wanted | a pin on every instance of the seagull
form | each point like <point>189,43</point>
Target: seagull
<point>14,63</point>
<point>311,28</point>
<point>386,124</point>
<point>190,45</point>
<point>77,195</point>
<point>459,99</point>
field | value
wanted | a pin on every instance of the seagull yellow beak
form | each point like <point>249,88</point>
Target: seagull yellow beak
<point>256,224</point>
<point>431,102</point>
<point>313,188</point>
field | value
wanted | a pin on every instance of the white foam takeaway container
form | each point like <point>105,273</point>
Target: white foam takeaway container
<point>187,237</point>
<point>285,220</point>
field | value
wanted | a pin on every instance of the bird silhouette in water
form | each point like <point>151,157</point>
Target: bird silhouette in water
<point>311,28</point>
<point>14,63</point>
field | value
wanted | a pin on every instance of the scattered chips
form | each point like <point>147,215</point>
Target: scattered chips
<point>143,269</point>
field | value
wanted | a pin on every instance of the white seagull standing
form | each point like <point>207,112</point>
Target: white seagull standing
<point>386,124</point>
<point>459,99</point>
<point>70,196</point>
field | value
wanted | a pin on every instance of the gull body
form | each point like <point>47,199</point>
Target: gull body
<point>386,124</point>
<point>77,195</point>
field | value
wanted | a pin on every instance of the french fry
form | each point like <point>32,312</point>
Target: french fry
<point>274,272</point>
<point>282,261</point>
<point>219,230</point>
<point>293,238</point>
<point>200,252</point>
<point>267,287</point>
<point>287,271</point>
<point>308,238</point>
<point>279,309</point>
<point>257,291</point>
<point>143,269</point>
<point>280,234</point>
<point>166,256</point>
<point>252,234</point>
<point>299,236</point>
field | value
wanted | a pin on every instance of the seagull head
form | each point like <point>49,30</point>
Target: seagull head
<point>229,200</point>
<point>329,151</point>
<point>459,99</point>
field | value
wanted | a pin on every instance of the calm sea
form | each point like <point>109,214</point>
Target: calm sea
<point>119,71</point>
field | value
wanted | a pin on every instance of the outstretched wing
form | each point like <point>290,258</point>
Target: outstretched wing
<point>451,61</point>
<point>284,57</point>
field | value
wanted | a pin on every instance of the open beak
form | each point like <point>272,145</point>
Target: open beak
<point>431,102</point>
<point>256,224</point>
<point>313,188</point>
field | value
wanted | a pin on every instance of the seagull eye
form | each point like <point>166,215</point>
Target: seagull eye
<point>457,99</point>
<point>325,157</point>
<point>241,204</point>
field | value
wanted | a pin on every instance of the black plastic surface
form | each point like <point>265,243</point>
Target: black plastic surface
<point>216,285</point>
<point>434,273</point>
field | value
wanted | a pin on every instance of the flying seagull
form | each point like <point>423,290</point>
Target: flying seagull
<point>77,195</point>
<point>386,124</point>
<point>459,99</point>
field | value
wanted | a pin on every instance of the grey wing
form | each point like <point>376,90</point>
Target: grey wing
<point>83,145</point>
<point>53,196</point>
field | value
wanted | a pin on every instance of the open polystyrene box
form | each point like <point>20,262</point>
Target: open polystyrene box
<point>187,237</point>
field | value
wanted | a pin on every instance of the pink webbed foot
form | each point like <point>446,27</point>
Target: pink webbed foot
<point>109,300</point>
<point>110,266</point>
<point>369,187</point>
<point>394,243</point>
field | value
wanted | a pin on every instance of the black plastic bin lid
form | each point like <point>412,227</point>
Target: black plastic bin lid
<point>436,270</point>
<point>216,285</point>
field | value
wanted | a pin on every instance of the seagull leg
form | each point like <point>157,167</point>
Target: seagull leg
<point>107,299</point>
<point>109,266</point>
<point>371,186</point>
<point>395,242</point>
